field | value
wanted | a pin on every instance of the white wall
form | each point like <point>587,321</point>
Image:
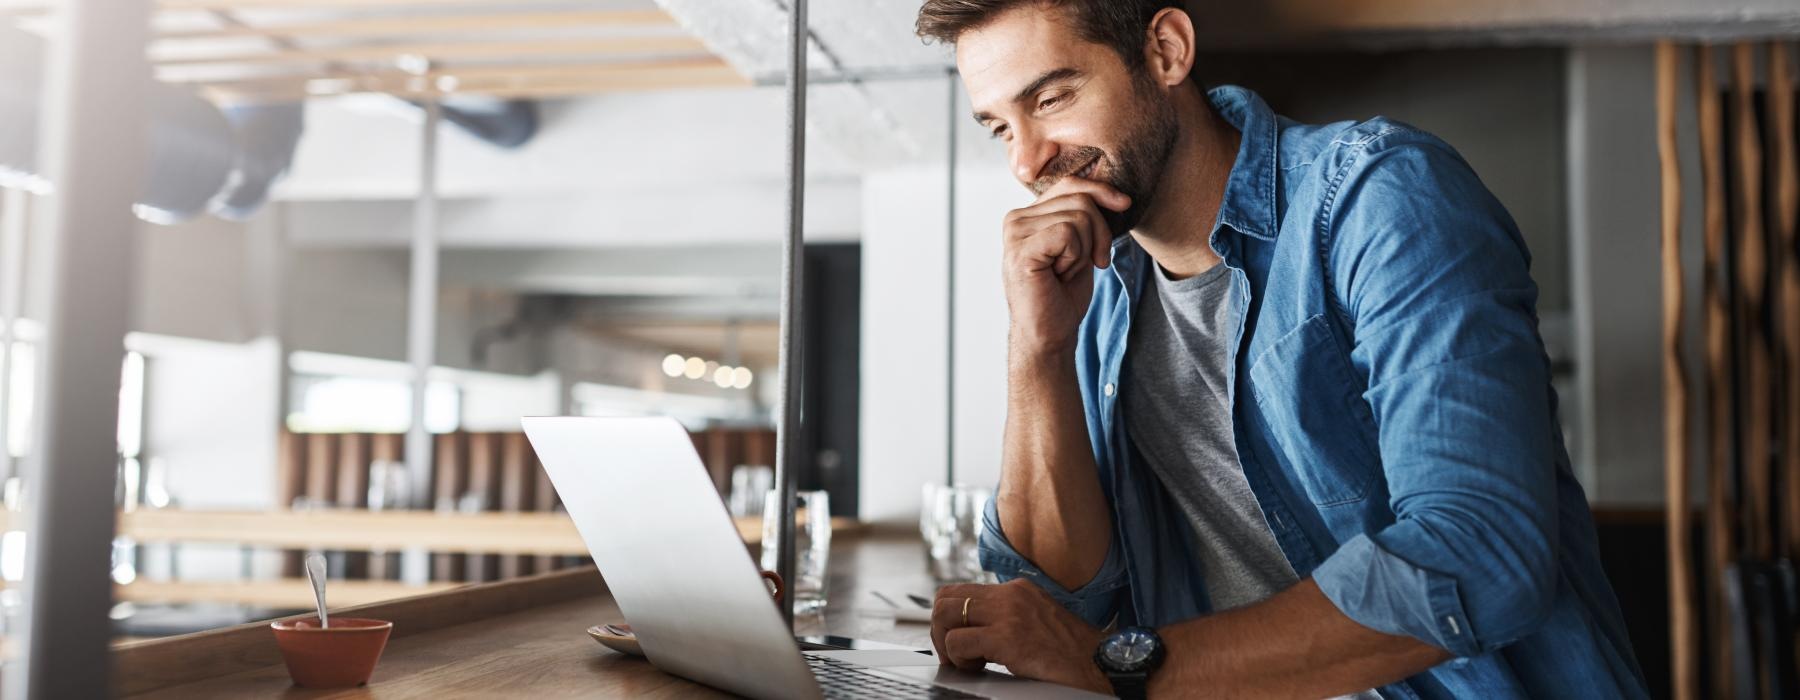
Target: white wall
<point>211,412</point>
<point>903,334</point>
<point>1616,281</point>
<point>211,417</point>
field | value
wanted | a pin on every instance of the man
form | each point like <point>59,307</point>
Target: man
<point>1279,419</point>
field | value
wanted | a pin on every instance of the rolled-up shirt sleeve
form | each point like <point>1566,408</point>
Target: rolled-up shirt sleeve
<point>1096,601</point>
<point>1433,278</point>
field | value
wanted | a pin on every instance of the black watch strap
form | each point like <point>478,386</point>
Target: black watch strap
<point>1129,686</point>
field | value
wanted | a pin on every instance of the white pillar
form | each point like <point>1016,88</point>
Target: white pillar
<point>13,210</point>
<point>93,150</point>
<point>421,330</point>
<point>421,307</point>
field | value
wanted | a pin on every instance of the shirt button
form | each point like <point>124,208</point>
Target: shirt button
<point>1109,390</point>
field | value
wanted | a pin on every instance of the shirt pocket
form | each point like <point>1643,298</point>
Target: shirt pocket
<point>1312,401</point>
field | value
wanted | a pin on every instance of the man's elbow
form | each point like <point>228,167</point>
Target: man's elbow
<point>1506,578</point>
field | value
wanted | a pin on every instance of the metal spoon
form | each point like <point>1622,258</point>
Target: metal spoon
<point>315,573</point>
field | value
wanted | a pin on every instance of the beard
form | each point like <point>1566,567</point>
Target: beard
<point>1134,168</point>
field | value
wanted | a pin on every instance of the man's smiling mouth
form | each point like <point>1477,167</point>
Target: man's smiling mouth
<point>1087,171</point>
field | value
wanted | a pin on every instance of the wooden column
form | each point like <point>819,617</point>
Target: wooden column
<point>1752,274</point>
<point>321,469</point>
<point>448,483</point>
<point>290,483</point>
<point>1683,641</point>
<point>516,486</point>
<point>1719,516</point>
<point>353,492</point>
<point>484,483</point>
<point>543,496</point>
<point>1781,97</point>
<point>721,446</point>
<point>386,447</point>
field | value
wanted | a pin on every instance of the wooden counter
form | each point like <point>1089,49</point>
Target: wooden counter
<point>524,637</point>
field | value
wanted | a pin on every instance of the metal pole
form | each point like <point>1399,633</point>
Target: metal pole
<point>788,458</point>
<point>421,308</point>
<point>950,296</point>
<point>421,327</point>
<point>12,290</point>
<point>93,150</point>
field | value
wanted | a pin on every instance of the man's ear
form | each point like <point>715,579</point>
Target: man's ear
<point>1169,54</point>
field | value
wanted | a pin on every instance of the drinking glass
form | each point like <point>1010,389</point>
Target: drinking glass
<point>388,487</point>
<point>750,485</point>
<point>812,544</point>
<point>950,522</point>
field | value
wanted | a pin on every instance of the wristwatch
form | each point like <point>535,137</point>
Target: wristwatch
<point>1128,657</point>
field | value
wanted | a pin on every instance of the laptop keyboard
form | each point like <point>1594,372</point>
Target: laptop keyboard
<point>841,679</point>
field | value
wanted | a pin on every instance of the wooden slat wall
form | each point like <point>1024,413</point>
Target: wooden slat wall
<point>451,473</point>
<point>1683,635</point>
<point>544,500</point>
<point>1752,275</point>
<point>332,470</point>
<point>1750,199</point>
<point>385,447</point>
<point>1719,364</point>
<point>290,482</point>
<point>484,483</point>
<point>1783,95</point>
<point>517,482</point>
<point>1787,229</point>
<point>353,492</point>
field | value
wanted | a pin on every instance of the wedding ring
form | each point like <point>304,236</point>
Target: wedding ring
<point>966,611</point>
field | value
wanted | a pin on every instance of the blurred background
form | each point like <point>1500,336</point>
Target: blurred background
<point>371,235</point>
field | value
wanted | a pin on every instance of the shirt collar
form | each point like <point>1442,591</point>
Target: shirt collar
<point>1249,203</point>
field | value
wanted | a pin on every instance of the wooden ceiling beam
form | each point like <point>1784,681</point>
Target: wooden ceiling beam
<point>309,4</point>
<point>441,51</point>
<point>509,82</point>
<point>395,76</point>
<point>436,24</point>
<point>35,7</point>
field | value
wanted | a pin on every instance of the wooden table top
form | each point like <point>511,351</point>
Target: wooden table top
<point>527,638</point>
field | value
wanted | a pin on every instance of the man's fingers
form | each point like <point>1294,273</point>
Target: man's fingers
<point>1062,240</point>
<point>937,639</point>
<point>947,612</point>
<point>1103,194</point>
<point>946,615</point>
<point>969,647</point>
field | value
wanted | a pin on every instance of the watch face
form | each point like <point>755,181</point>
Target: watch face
<point>1130,649</point>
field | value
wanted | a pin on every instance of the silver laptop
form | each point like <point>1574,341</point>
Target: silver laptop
<point>675,564</point>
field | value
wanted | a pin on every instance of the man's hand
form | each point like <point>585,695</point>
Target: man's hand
<point>1020,627</point>
<point>1051,250</point>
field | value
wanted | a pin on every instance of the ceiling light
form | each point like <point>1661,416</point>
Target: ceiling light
<point>673,365</point>
<point>696,368</point>
<point>741,378</point>
<point>722,377</point>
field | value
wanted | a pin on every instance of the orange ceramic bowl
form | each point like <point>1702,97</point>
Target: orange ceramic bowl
<point>340,656</point>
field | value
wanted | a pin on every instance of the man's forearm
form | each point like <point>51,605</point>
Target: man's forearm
<point>1295,644</point>
<point>1050,503</point>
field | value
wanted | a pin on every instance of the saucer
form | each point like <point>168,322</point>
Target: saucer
<point>617,637</point>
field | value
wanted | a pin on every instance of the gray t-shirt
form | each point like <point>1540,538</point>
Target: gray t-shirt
<point>1177,408</point>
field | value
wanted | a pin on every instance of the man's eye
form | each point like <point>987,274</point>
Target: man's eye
<point>999,132</point>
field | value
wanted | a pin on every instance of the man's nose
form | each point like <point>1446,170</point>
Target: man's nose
<point>1030,153</point>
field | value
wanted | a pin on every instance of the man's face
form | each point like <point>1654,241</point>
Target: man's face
<point>1068,107</point>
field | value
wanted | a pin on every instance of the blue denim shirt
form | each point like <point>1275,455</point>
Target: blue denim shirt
<point>1393,415</point>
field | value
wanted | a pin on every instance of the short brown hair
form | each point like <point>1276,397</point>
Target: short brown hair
<point>1122,25</point>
